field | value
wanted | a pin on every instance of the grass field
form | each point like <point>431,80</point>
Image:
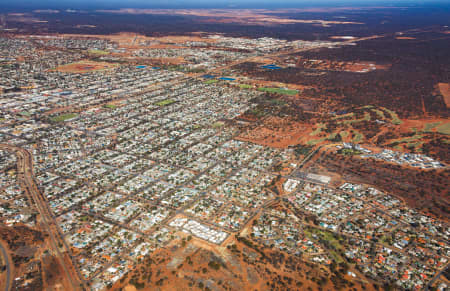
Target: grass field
<point>349,152</point>
<point>218,124</point>
<point>318,130</point>
<point>379,113</point>
<point>212,81</point>
<point>25,113</point>
<point>333,243</point>
<point>316,141</point>
<point>417,145</point>
<point>245,86</point>
<point>394,117</point>
<point>444,128</point>
<point>98,52</point>
<point>365,118</point>
<point>63,117</point>
<point>344,134</point>
<point>165,102</point>
<point>110,106</point>
<point>332,136</point>
<point>429,126</point>
<point>358,137</point>
<point>278,91</point>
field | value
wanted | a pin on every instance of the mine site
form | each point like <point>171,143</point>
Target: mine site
<point>224,148</point>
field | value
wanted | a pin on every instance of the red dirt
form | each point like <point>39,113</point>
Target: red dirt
<point>405,37</point>
<point>84,67</point>
<point>445,91</point>
<point>241,268</point>
<point>276,132</point>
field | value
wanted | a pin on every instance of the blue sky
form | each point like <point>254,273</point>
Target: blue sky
<point>34,4</point>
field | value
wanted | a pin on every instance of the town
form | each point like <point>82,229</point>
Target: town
<point>128,158</point>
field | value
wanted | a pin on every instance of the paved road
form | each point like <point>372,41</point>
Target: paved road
<point>430,284</point>
<point>26,179</point>
<point>8,268</point>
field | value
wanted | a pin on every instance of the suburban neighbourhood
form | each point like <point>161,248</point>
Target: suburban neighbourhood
<point>129,158</point>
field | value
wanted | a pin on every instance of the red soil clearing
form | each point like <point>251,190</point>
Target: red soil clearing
<point>84,67</point>
<point>445,91</point>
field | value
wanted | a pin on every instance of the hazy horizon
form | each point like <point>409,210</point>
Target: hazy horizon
<point>180,4</point>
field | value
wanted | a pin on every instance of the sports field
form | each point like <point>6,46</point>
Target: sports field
<point>64,117</point>
<point>278,91</point>
<point>165,102</point>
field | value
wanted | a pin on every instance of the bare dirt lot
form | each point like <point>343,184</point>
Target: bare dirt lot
<point>276,132</point>
<point>241,265</point>
<point>85,67</point>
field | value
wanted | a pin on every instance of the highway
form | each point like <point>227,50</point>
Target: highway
<point>8,268</point>
<point>430,284</point>
<point>26,180</point>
